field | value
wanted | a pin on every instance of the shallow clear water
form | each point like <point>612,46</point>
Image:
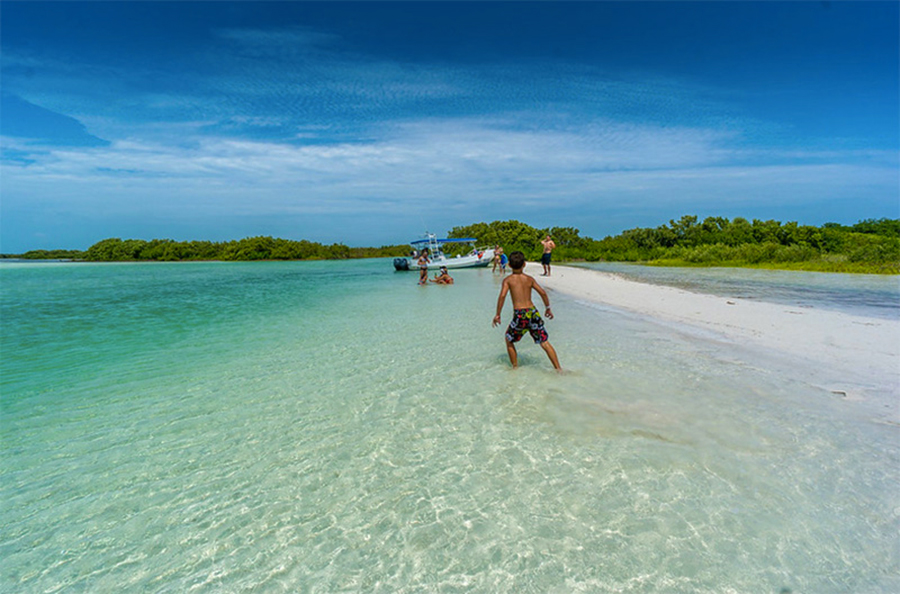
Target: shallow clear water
<point>332,427</point>
<point>871,295</point>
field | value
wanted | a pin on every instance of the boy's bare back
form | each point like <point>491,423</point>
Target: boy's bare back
<point>519,285</point>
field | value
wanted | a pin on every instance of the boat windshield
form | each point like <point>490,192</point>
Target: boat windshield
<point>435,246</point>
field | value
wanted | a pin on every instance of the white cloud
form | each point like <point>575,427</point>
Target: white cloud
<point>362,136</point>
<point>468,163</point>
<point>279,42</point>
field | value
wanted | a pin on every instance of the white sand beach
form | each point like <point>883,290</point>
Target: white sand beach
<point>852,356</point>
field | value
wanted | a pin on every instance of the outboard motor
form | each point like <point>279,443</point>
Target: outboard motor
<point>401,264</point>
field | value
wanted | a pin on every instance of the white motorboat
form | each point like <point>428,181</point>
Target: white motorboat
<point>477,257</point>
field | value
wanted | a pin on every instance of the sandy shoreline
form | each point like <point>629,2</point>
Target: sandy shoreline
<point>842,352</point>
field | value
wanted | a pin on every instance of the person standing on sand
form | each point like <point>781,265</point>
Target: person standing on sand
<point>525,316</point>
<point>548,244</point>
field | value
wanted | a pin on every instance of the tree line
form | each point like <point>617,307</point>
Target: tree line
<point>250,248</point>
<point>872,245</point>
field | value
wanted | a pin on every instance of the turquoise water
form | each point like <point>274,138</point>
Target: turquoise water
<point>332,427</point>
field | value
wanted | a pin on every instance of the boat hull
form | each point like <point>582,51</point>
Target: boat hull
<point>468,261</point>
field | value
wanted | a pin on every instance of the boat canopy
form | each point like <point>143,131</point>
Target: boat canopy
<point>442,241</point>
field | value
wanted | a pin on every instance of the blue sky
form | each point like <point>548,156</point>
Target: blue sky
<point>368,123</point>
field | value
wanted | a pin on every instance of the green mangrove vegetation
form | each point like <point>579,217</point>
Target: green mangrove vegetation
<point>47,255</point>
<point>869,246</point>
<point>250,248</point>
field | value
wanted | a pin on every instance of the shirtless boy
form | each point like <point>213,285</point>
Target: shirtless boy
<point>525,316</point>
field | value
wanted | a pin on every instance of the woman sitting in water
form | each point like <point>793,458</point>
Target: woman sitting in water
<point>444,278</point>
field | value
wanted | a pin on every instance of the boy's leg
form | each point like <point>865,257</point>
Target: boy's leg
<point>551,352</point>
<point>513,355</point>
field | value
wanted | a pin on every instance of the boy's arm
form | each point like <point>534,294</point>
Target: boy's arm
<point>546,298</point>
<point>504,289</point>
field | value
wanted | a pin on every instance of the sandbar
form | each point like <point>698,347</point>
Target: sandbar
<point>852,356</point>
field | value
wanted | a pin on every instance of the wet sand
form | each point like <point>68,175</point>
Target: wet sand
<point>853,356</point>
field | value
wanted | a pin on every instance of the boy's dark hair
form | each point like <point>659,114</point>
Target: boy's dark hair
<point>516,260</point>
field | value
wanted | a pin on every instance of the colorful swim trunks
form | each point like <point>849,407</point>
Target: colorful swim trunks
<point>526,320</point>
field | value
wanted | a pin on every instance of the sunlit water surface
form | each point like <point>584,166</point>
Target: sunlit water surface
<point>332,427</point>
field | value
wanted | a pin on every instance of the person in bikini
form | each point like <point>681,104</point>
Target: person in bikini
<point>525,316</point>
<point>444,278</point>
<point>498,251</point>
<point>423,267</point>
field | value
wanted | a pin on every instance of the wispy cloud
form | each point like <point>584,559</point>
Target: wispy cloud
<point>466,161</point>
<point>290,123</point>
<point>283,79</point>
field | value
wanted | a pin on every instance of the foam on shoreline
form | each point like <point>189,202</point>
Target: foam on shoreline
<point>853,356</point>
